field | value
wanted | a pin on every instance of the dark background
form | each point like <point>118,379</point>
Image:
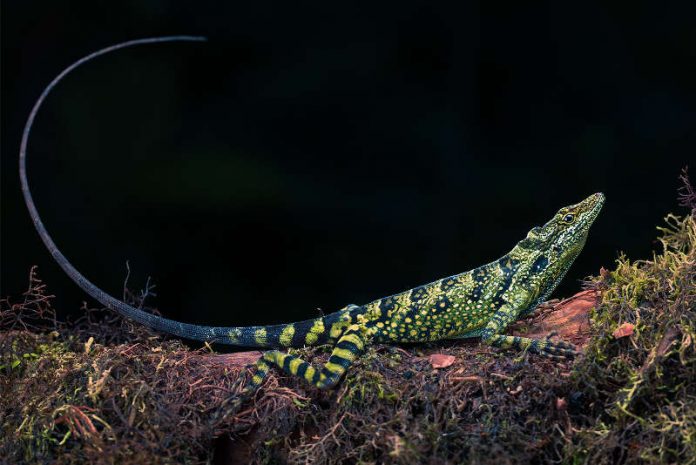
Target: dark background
<point>321,154</point>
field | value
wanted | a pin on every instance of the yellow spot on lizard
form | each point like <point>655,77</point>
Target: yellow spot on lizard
<point>260,336</point>
<point>315,331</point>
<point>286,335</point>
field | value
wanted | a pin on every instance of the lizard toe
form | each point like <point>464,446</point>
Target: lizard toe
<point>559,349</point>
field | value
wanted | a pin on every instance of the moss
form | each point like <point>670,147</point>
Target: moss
<point>102,390</point>
<point>639,391</point>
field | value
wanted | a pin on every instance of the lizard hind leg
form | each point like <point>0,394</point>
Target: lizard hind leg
<point>349,347</point>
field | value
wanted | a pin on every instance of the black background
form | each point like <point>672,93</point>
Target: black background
<point>319,154</point>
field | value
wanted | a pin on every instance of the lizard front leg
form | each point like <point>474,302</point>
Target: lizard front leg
<point>509,312</point>
<point>350,346</point>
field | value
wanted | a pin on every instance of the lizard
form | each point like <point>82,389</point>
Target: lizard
<point>477,303</point>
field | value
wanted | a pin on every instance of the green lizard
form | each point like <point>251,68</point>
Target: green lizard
<point>477,303</point>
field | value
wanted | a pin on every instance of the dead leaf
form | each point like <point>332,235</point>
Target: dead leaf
<point>624,330</point>
<point>441,360</point>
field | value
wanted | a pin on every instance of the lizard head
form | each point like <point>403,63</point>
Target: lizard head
<point>560,240</point>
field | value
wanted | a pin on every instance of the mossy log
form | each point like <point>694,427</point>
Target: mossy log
<point>107,391</point>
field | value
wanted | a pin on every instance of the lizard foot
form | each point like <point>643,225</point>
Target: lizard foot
<point>557,350</point>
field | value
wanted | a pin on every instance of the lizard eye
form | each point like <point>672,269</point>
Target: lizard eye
<point>569,218</point>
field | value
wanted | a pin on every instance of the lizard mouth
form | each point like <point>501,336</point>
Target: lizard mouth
<point>596,202</point>
<point>599,199</point>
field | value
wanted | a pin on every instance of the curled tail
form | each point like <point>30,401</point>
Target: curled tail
<point>257,336</point>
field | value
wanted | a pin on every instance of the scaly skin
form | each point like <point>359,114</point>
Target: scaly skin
<point>480,302</point>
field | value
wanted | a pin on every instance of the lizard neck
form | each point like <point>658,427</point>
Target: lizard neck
<point>541,271</point>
